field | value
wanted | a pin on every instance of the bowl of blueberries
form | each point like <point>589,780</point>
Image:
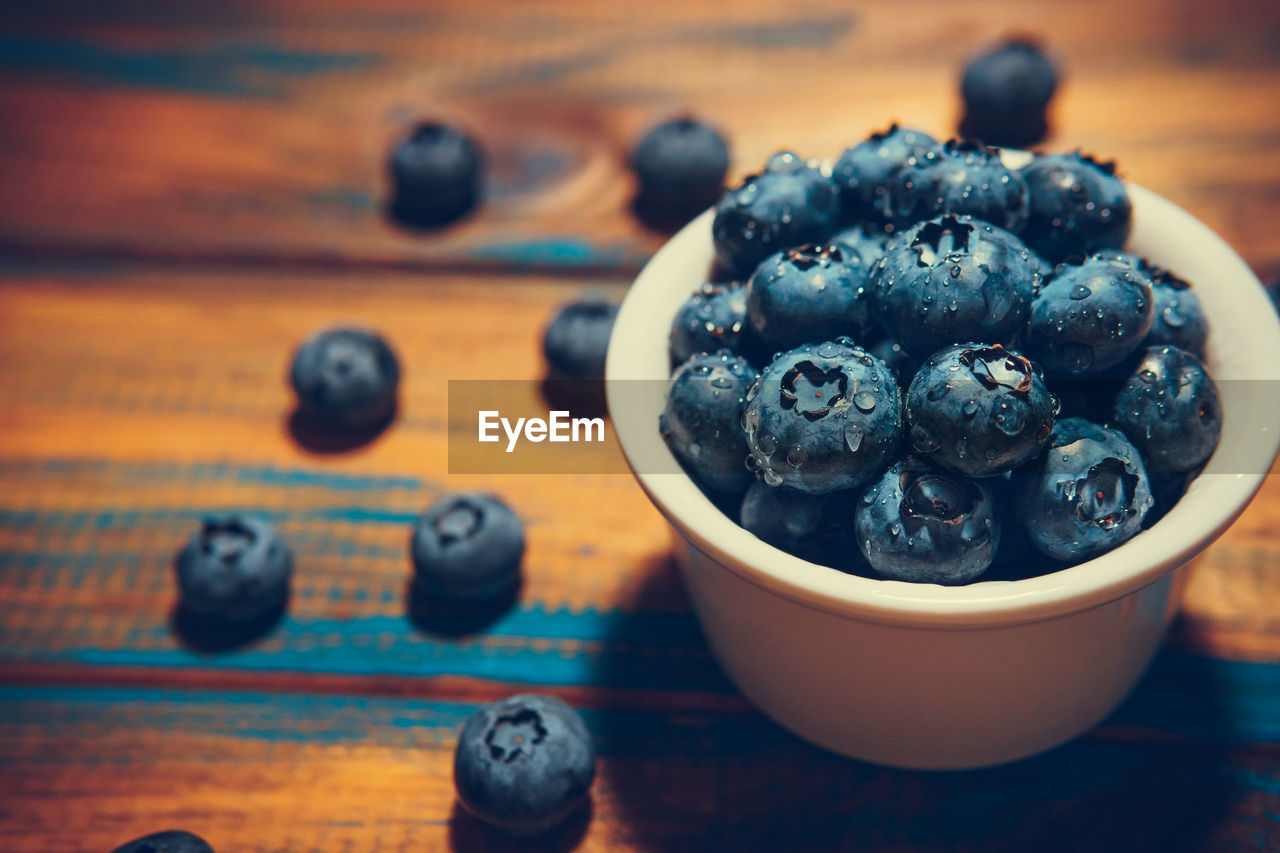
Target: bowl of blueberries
<point>937,428</point>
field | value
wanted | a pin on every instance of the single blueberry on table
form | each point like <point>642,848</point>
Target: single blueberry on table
<point>863,172</point>
<point>702,420</point>
<point>169,841</point>
<point>953,279</point>
<point>713,318</point>
<point>236,569</point>
<point>979,409</point>
<point>346,378</point>
<point>524,764</point>
<point>812,527</point>
<point>789,204</point>
<point>1006,93</point>
<point>1087,494</point>
<point>1078,206</point>
<point>921,524</point>
<point>680,165</point>
<point>866,242</point>
<point>466,547</point>
<point>1089,318</point>
<point>961,177</point>
<point>436,174</point>
<point>810,293</point>
<point>823,418</point>
<point>1170,409</point>
<point>576,340</point>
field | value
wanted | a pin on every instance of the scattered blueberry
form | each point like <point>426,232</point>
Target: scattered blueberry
<point>812,527</point>
<point>788,204</point>
<point>524,764</point>
<point>436,173</point>
<point>1090,317</point>
<point>1086,495</point>
<point>346,377</point>
<point>807,294</point>
<point>918,523</point>
<point>1078,206</point>
<point>961,177</point>
<point>680,165</point>
<point>1006,93</point>
<point>235,569</point>
<point>863,172</point>
<point>823,418</point>
<point>867,243</point>
<point>979,409</point>
<point>713,318</point>
<point>954,279</point>
<point>577,339</point>
<point>702,421</point>
<point>1170,409</point>
<point>467,547</point>
<point>170,841</point>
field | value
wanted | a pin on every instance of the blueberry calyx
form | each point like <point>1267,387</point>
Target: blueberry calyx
<point>461,522</point>
<point>995,367</point>
<point>808,257</point>
<point>1104,496</point>
<point>932,235</point>
<point>228,538</point>
<point>511,735</point>
<point>816,378</point>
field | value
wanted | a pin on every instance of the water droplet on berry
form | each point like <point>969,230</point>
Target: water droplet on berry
<point>865,401</point>
<point>1080,292</point>
<point>970,408</point>
<point>853,436</point>
<point>796,457</point>
<point>766,444</point>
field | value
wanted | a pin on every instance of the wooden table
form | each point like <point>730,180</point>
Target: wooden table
<point>188,189</point>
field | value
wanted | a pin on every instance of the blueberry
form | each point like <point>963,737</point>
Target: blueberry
<point>1178,319</point>
<point>868,243</point>
<point>1078,206</point>
<point>346,377</point>
<point>577,339</point>
<point>680,165</point>
<point>903,364</point>
<point>235,569</point>
<point>702,420</point>
<point>713,318</point>
<point>954,279</point>
<point>436,173</point>
<point>1087,494</point>
<point>788,204</point>
<point>1089,318</point>
<point>524,764</point>
<point>170,841</point>
<point>918,523</point>
<point>808,294</point>
<point>1006,92</point>
<point>863,171</point>
<point>823,418</point>
<point>979,409</point>
<point>467,547</point>
<point>812,527</point>
<point>961,177</point>
<point>1170,409</point>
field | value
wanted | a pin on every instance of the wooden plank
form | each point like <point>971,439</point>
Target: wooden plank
<point>257,132</point>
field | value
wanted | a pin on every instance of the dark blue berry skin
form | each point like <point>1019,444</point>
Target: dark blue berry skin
<point>1089,318</point>
<point>903,364</point>
<point>466,547</point>
<point>236,570</point>
<point>1078,206</point>
<point>680,165</point>
<point>1087,494</point>
<point>864,171</point>
<point>347,378</point>
<point>1170,409</point>
<point>576,340</point>
<point>921,524</point>
<point>954,279</point>
<point>812,527</point>
<point>1006,93</point>
<point>713,318</point>
<point>808,294</point>
<point>702,421</point>
<point>979,409</point>
<point>823,418</point>
<point>959,178</point>
<point>1178,319</point>
<point>789,204</point>
<point>524,764</point>
<point>169,841</point>
<point>867,243</point>
<point>436,174</point>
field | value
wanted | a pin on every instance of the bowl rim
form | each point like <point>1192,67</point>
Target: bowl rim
<point>1163,232</point>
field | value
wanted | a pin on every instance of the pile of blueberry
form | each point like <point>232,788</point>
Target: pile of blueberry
<point>969,378</point>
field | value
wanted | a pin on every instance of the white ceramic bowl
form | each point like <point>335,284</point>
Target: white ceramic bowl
<point>926,676</point>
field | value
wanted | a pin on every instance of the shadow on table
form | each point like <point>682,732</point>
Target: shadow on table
<point>702,773</point>
<point>453,619</point>
<point>207,636</point>
<point>316,436</point>
<point>470,835</point>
